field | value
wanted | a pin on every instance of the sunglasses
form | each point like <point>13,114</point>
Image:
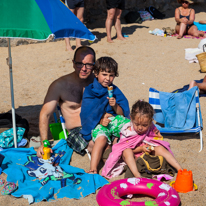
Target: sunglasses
<point>185,2</point>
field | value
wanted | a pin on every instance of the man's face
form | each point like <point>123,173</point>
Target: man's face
<point>83,71</point>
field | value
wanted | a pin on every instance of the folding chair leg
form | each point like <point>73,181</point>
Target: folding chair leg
<point>88,154</point>
<point>201,141</point>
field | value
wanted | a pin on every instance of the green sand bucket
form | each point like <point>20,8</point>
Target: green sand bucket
<point>56,131</point>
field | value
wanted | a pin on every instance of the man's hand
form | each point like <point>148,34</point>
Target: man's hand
<point>40,151</point>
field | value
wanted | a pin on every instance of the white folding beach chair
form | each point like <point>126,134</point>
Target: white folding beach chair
<point>62,120</point>
<point>154,100</point>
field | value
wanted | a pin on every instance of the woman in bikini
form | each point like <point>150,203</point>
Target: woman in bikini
<point>185,16</point>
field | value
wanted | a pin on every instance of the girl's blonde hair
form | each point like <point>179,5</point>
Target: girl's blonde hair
<point>143,108</point>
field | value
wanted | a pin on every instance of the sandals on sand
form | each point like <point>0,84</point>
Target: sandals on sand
<point>9,187</point>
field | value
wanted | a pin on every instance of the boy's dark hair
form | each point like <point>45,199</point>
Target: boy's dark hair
<point>85,49</point>
<point>106,64</point>
<point>143,108</point>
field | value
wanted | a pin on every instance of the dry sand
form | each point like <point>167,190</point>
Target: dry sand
<point>144,61</point>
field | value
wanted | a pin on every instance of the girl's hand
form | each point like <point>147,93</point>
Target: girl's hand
<point>144,148</point>
<point>112,101</point>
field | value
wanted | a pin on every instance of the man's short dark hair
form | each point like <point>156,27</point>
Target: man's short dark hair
<point>106,64</point>
<point>85,49</point>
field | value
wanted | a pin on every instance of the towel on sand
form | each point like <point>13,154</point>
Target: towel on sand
<point>39,180</point>
<point>95,104</point>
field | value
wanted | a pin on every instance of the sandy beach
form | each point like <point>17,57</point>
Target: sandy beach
<point>144,61</point>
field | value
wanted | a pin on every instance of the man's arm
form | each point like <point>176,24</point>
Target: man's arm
<point>50,103</point>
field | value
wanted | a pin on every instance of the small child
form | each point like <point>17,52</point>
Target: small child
<point>136,136</point>
<point>102,117</point>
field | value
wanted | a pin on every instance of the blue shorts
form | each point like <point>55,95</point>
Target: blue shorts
<point>72,4</point>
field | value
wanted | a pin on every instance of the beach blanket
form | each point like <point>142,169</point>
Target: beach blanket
<point>189,36</point>
<point>39,179</point>
<point>95,104</point>
<point>201,27</point>
<point>179,109</point>
<point>129,139</point>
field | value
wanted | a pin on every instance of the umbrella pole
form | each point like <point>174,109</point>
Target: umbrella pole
<point>9,62</point>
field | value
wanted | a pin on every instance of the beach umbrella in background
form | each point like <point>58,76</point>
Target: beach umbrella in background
<point>37,20</point>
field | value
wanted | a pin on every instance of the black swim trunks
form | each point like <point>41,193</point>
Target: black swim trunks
<point>119,4</point>
<point>72,4</point>
<point>76,141</point>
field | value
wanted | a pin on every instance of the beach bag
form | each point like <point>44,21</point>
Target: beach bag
<point>202,61</point>
<point>133,17</point>
<point>6,122</point>
<point>149,165</point>
<point>7,137</point>
<point>145,15</point>
<point>155,13</point>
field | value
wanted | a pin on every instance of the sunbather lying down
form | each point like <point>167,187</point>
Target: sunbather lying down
<point>201,86</point>
<point>202,22</point>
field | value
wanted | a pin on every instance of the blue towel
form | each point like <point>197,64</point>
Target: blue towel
<point>201,27</point>
<point>179,109</point>
<point>95,104</point>
<point>39,180</point>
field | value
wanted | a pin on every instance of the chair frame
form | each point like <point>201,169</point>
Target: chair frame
<point>155,103</point>
<point>62,120</point>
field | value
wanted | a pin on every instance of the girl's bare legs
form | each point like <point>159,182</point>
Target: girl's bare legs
<point>117,24</point>
<point>97,151</point>
<point>161,151</point>
<point>109,23</point>
<point>79,12</point>
<point>180,30</point>
<point>128,157</point>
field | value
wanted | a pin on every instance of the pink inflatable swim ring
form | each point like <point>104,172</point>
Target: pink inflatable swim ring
<point>111,194</point>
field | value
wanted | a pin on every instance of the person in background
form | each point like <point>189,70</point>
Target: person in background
<point>185,16</point>
<point>77,8</point>
<point>114,11</point>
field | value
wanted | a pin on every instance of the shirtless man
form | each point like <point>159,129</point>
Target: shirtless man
<point>68,91</point>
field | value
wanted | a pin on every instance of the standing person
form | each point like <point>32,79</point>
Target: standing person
<point>77,8</point>
<point>185,16</point>
<point>67,91</point>
<point>96,104</point>
<point>114,11</point>
<point>135,138</point>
